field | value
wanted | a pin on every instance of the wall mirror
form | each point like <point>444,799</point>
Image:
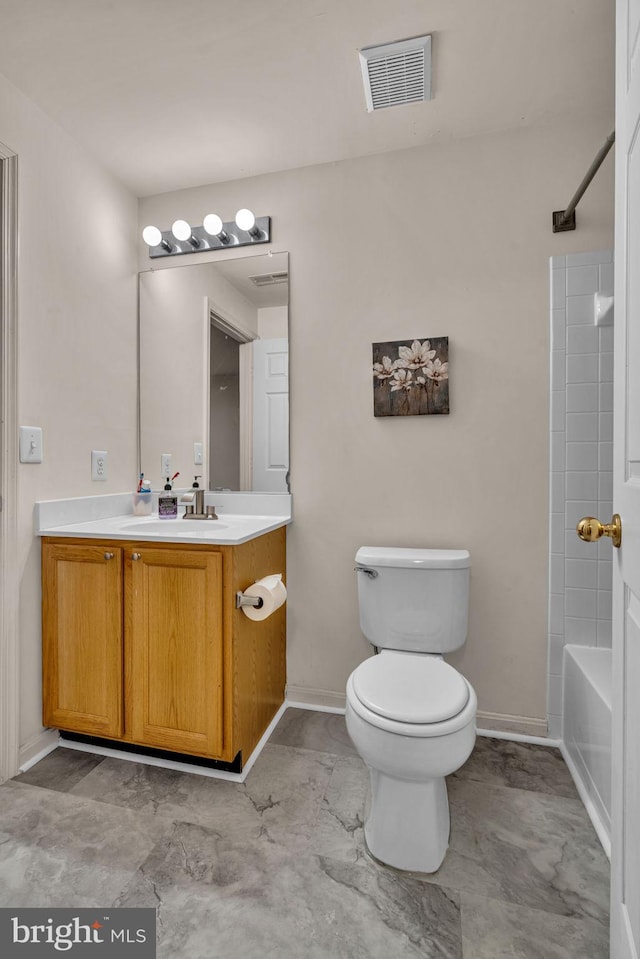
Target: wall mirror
<point>213,373</point>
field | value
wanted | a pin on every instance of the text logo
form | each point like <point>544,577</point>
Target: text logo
<point>32,933</point>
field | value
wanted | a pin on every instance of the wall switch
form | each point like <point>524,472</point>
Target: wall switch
<point>99,465</point>
<point>197,454</point>
<point>165,467</point>
<point>30,444</point>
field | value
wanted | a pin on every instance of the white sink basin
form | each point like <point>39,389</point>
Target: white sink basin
<point>173,526</point>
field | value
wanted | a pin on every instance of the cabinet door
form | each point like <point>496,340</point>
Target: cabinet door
<point>82,638</point>
<point>173,601</point>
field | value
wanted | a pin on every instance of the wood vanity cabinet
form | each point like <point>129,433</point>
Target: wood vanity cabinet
<point>142,643</point>
<point>82,656</point>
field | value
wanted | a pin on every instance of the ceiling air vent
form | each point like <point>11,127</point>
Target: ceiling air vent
<point>268,279</point>
<point>397,73</point>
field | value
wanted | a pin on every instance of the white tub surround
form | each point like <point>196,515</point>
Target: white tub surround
<point>587,731</point>
<point>581,478</point>
<point>242,517</point>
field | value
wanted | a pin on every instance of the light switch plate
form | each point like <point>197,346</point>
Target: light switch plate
<point>197,454</point>
<point>30,444</point>
<point>99,465</point>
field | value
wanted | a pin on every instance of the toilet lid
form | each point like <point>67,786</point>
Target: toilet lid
<point>410,688</point>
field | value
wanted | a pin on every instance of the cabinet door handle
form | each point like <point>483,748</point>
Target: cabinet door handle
<point>135,556</point>
<point>108,555</point>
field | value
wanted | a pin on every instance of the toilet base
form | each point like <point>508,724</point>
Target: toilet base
<point>408,822</point>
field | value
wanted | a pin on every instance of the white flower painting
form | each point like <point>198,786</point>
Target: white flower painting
<point>411,377</point>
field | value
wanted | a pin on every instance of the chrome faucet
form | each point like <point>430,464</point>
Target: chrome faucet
<point>194,500</point>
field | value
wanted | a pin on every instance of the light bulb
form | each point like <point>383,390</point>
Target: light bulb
<point>152,236</point>
<point>213,224</point>
<point>245,220</point>
<point>181,230</point>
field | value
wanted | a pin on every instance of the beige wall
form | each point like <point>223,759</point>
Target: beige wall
<point>445,240</point>
<point>76,342</point>
<point>273,322</point>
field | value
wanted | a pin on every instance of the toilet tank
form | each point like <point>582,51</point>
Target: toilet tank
<point>413,599</point>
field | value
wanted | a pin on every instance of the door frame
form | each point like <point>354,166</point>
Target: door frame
<point>9,580</point>
<point>227,323</point>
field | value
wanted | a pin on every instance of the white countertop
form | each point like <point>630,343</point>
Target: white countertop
<point>87,518</point>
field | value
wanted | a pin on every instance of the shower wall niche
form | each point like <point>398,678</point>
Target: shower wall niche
<point>581,462</point>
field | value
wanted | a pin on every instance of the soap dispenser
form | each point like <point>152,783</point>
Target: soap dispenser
<point>167,502</point>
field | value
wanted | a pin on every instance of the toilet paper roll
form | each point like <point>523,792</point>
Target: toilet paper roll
<point>271,590</point>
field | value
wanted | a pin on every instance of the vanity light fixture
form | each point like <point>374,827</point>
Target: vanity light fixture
<point>154,238</point>
<point>245,220</point>
<point>214,234</point>
<point>215,227</point>
<point>182,231</point>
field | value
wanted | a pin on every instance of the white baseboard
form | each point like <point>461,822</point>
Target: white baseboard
<point>306,697</point>
<point>505,723</point>
<point>319,709</point>
<point>113,753</point>
<point>498,725</point>
<point>180,766</point>
<point>37,748</point>
<point>298,697</point>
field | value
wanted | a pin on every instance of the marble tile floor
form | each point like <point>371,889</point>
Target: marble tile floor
<point>276,868</point>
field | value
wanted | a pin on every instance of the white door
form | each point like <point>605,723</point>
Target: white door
<point>270,415</point>
<point>625,825</point>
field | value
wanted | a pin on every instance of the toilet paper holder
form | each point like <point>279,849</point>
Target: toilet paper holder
<point>242,600</point>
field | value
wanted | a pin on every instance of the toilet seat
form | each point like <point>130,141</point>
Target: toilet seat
<point>411,694</point>
<point>410,688</point>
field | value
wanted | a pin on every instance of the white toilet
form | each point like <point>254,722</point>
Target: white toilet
<point>411,716</point>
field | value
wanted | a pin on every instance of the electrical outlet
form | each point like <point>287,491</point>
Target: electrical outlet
<point>165,467</point>
<point>99,465</point>
<point>197,454</point>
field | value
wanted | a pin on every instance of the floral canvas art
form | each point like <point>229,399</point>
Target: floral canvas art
<point>411,377</point>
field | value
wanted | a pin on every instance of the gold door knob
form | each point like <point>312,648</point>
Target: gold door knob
<point>590,529</point>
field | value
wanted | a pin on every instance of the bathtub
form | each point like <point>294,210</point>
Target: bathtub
<point>586,731</point>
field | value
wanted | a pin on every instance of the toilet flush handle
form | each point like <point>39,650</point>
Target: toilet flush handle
<point>371,573</point>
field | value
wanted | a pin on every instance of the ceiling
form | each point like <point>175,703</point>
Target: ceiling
<point>178,94</point>
<point>238,273</point>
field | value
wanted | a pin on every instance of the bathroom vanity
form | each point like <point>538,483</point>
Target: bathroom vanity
<point>143,644</point>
